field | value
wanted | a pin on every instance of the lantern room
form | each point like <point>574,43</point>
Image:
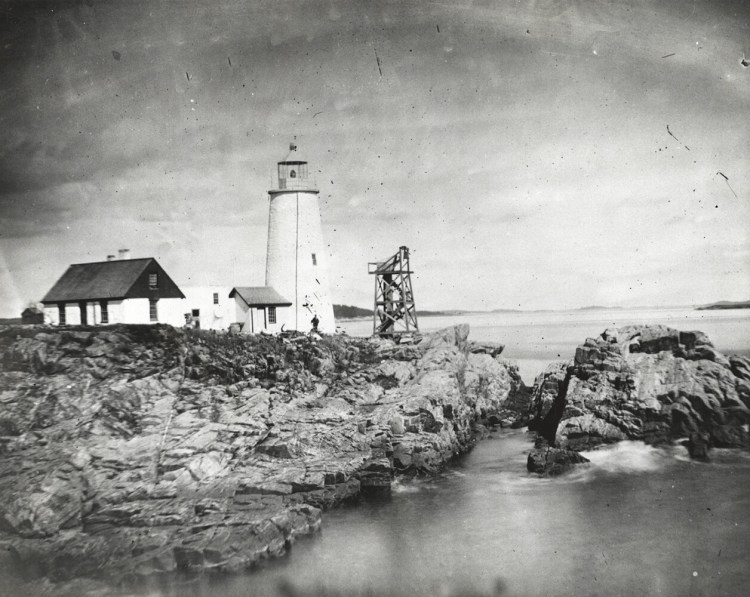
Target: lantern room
<point>293,175</point>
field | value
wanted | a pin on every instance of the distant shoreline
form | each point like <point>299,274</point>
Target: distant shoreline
<point>350,313</point>
<point>419,314</point>
<point>725,305</point>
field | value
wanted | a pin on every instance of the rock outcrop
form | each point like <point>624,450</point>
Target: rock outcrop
<point>129,451</point>
<point>550,462</point>
<point>650,383</point>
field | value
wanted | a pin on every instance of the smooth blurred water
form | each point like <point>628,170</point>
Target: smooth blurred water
<point>534,339</point>
<point>637,521</point>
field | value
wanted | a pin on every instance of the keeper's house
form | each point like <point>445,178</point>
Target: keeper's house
<point>115,291</point>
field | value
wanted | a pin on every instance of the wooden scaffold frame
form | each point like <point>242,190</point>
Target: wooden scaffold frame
<point>395,312</point>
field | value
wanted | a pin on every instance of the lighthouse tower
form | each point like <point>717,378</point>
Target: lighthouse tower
<point>296,263</point>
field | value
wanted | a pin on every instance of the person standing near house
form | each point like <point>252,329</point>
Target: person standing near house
<point>315,321</point>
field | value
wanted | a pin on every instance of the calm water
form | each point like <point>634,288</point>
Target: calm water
<point>637,521</point>
<point>536,339</point>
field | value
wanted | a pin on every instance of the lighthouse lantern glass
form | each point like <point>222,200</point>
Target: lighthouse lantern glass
<point>292,174</point>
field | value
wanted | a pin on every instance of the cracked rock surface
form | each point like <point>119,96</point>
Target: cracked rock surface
<point>650,383</point>
<point>131,451</point>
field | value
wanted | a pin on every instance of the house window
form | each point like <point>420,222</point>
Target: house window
<point>216,298</point>
<point>196,312</point>
<point>153,314</point>
<point>61,313</point>
<point>271,314</point>
<point>153,280</point>
<point>315,259</point>
<point>105,311</point>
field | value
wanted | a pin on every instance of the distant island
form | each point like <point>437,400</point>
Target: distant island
<point>598,308</point>
<point>725,305</point>
<point>352,312</point>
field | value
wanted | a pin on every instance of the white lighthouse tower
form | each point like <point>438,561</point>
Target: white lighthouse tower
<point>296,263</point>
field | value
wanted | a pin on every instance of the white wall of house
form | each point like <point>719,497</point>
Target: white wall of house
<point>72,314</point>
<point>211,315</point>
<point>50,314</point>
<point>136,310</point>
<point>172,311</point>
<point>114,312</point>
<point>169,311</point>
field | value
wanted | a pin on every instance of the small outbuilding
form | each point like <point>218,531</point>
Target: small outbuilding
<point>259,309</point>
<point>32,316</point>
<point>115,291</point>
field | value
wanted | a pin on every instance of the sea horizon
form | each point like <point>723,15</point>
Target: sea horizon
<point>534,339</point>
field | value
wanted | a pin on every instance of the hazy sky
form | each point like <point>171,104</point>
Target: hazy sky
<point>520,149</point>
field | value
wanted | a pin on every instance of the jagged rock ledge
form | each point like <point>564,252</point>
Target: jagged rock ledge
<point>650,383</point>
<point>134,451</point>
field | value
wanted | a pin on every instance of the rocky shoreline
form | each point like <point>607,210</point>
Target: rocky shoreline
<point>135,452</point>
<point>649,383</point>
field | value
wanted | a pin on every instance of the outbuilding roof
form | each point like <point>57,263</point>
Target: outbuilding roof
<point>109,280</point>
<point>259,296</point>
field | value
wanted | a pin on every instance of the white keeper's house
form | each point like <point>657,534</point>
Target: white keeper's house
<point>140,291</point>
<point>115,291</point>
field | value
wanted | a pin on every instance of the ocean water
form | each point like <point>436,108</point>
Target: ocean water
<point>636,521</point>
<point>535,339</point>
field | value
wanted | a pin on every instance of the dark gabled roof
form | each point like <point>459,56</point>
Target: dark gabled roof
<point>259,296</point>
<point>100,280</point>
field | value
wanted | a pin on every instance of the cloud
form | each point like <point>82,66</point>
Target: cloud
<point>521,168</point>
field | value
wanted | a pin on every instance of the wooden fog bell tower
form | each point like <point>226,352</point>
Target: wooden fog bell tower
<point>395,312</point>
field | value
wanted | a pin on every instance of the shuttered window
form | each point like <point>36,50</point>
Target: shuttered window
<point>153,314</point>
<point>61,313</point>
<point>153,280</point>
